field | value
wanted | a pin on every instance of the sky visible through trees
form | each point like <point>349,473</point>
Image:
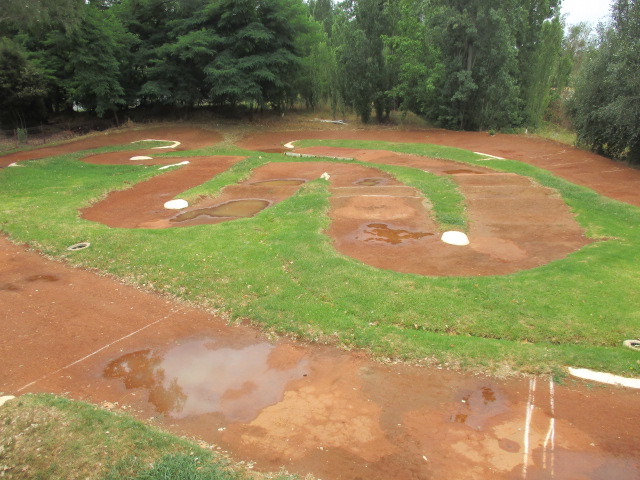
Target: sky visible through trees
<point>462,64</point>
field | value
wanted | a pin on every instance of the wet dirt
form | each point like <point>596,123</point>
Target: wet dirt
<point>230,209</point>
<point>312,409</point>
<point>197,377</point>
<point>142,206</point>
<point>348,418</point>
<point>382,232</point>
<point>502,241</point>
<point>528,227</point>
<point>607,177</point>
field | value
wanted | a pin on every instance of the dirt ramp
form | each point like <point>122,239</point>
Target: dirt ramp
<point>142,206</point>
<point>514,223</point>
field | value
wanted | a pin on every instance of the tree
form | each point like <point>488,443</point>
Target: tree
<point>414,55</point>
<point>480,88</point>
<point>22,87</point>
<point>86,62</point>
<point>257,57</point>
<point>606,105</point>
<point>39,15</point>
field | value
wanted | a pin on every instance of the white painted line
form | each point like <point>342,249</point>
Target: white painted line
<point>550,439</point>
<point>14,164</point>
<point>174,143</point>
<point>487,155</point>
<point>602,377</point>
<point>100,349</point>
<point>174,165</point>
<point>289,145</point>
<point>527,425</point>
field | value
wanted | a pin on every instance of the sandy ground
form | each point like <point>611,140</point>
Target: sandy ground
<point>313,409</point>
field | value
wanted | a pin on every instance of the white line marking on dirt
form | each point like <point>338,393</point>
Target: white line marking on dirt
<point>527,425</point>
<point>100,349</point>
<point>602,377</point>
<point>551,433</point>
<point>487,155</point>
<point>174,165</point>
<point>289,145</point>
<point>174,143</point>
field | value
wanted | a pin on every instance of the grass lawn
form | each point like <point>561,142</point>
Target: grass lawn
<point>47,437</point>
<point>281,272</point>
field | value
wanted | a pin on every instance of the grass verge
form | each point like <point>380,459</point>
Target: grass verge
<point>49,437</point>
<point>280,271</point>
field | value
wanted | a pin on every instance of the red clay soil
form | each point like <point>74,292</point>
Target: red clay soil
<point>142,206</point>
<point>191,138</point>
<point>515,224</point>
<point>335,414</point>
<point>607,177</point>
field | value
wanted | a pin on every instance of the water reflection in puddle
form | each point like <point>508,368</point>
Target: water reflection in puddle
<point>381,232</point>
<point>196,377</point>
<point>234,208</point>
<point>479,406</point>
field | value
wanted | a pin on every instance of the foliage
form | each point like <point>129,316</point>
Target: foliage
<point>606,104</point>
<point>85,62</point>
<point>22,87</point>
<point>46,437</point>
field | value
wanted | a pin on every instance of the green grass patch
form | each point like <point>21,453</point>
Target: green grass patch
<point>279,270</point>
<point>48,437</point>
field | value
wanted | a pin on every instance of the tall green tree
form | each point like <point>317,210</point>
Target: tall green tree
<point>257,57</point>
<point>414,55</point>
<point>480,88</point>
<point>85,62</point>
<point>606,104</point>
<point>22,87</point>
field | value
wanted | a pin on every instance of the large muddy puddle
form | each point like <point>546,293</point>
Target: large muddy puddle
<point>199,376</point>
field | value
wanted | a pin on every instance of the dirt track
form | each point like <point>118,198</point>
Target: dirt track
<point>318,410</point>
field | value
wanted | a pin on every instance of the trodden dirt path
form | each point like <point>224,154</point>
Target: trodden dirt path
<point>309,409</point>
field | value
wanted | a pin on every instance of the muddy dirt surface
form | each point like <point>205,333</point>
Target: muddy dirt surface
<point>338,415</point>
<point>313,409</point>
<point>605,176</point>
<point>515,224</point>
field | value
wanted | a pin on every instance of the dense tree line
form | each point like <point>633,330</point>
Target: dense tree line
<point>606,103</point>
<point>466,64</point>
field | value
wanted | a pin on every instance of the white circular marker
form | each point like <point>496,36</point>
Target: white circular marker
<point>141,157</point>
<point>455,238</point>
<point>177,204</point>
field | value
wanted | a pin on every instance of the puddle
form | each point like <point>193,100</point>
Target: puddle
<point>478,407</point>
<point>370,182</point>
<point>199,377</point>
<point>279,183</point>
<point>234,208</point>
<point>381,232</point>
<point>42,278</point>
<point>461,171</point>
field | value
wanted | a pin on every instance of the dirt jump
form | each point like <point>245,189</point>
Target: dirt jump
<point>314,409</point>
